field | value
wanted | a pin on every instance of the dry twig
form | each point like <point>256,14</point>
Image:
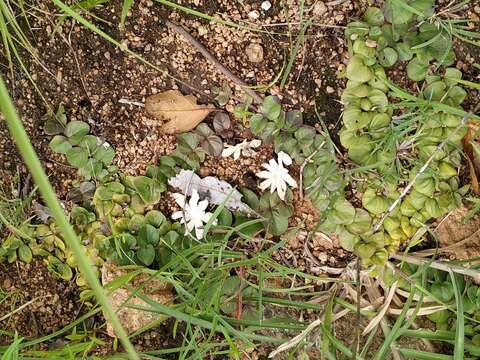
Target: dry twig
<point>181,31</point>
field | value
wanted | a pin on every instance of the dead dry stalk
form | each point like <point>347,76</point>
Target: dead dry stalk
<point>181,31</point>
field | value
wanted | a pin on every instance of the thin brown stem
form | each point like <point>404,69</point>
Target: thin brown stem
<point>181,31</point>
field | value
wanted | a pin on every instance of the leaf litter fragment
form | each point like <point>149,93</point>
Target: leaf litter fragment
<point>211,188</point>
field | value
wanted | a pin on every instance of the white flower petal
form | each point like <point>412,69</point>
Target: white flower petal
<point>255,143</point>
<point>228,151</point>
<point>199,233</point>
<point>179,199</point>
<point>236,154</point>
<point>284,158</point>
<point>177,215</point>
<point>264,174</point>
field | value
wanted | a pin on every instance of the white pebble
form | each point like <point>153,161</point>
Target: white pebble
<point>266,5</point>
<point>254,15</point>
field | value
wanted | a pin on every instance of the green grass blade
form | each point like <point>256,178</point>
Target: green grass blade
<point>12,351</point>
<point>33,163</point>
<point>395,332</point>
<point>127,5</point>
<point>458,352</point>
<point>423,355</point>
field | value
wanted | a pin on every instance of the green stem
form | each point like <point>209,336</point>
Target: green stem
<point>33,163</point>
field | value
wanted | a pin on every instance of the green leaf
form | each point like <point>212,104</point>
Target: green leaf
<point>417,69</point>
<point>146,255</point>
<point>257,123</point>
<point>77,157</point>
<point>60,144</point>
<point>435,91</point>
<point>342,212</point>
<point>443,291</point>
<point>365,250</point>
<point>388,57</point>
<point>404,51</point>
<point>374,203</point>
<point>189,140</point>
<point>24,253</point>
<point>127,4</point>
<point>155,218</point>
<point>396,13</point>
<point>104,154</point>
<point>358,71</point>
<point>271,108</point>
<point>76,130</point>
<point>305,136</point>
<point>373,16</point>
<point>452,75</point>
<point>361,223</point>
<point>148,235</point>
<point>348,240</point>
<point>148,189</point>
<point>89,142</point>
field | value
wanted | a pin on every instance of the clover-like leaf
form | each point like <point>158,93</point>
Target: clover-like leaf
<point>417,69</point>
<point>442,291</point>
<point>146,255</point>
<point>305,136</point>
<point>362,222</point>
<point>348,240</point>
<point>387,57</point>
<point>84,192</point>
<point>222,125</point>
<point>60,144</point>
<point>75,131</point>
<point>358,71</point>
<point>77,157</point>
<point>271,107</point>
<point>342,212</point>
<point>373,16</point>
<point>404,51</point>
<point>374,203</point>
<point>210,142</point>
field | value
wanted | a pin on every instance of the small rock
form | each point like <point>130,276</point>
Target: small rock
<point>266,5</point>
<point>202,31</point>
<point>6,284</point>
<point>319,8</point>
<point>371,43</point>
<point>254,52</point>
<point>330,90</point>
<point>254,15</point>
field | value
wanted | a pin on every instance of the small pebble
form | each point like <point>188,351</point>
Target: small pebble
<point>254,15</point>
<point>254,52</point>
<point>266,5</point>
<point>319,8</point>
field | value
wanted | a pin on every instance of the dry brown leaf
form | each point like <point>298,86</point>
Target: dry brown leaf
<point>459,239</point>
<point>181,113</point>
<point>133,319</point>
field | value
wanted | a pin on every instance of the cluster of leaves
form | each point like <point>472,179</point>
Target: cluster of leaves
<point>13,247</point>
<point>399,37</point>
<point>373,140</point>
<point>272,209</point>
<point>304,144</point>
<point>440,287</point>
<point>88,153</point>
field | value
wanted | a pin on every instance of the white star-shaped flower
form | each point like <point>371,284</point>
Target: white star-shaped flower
<point>245,148</point>
<point>276,175</point>
<point>192,213</point>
